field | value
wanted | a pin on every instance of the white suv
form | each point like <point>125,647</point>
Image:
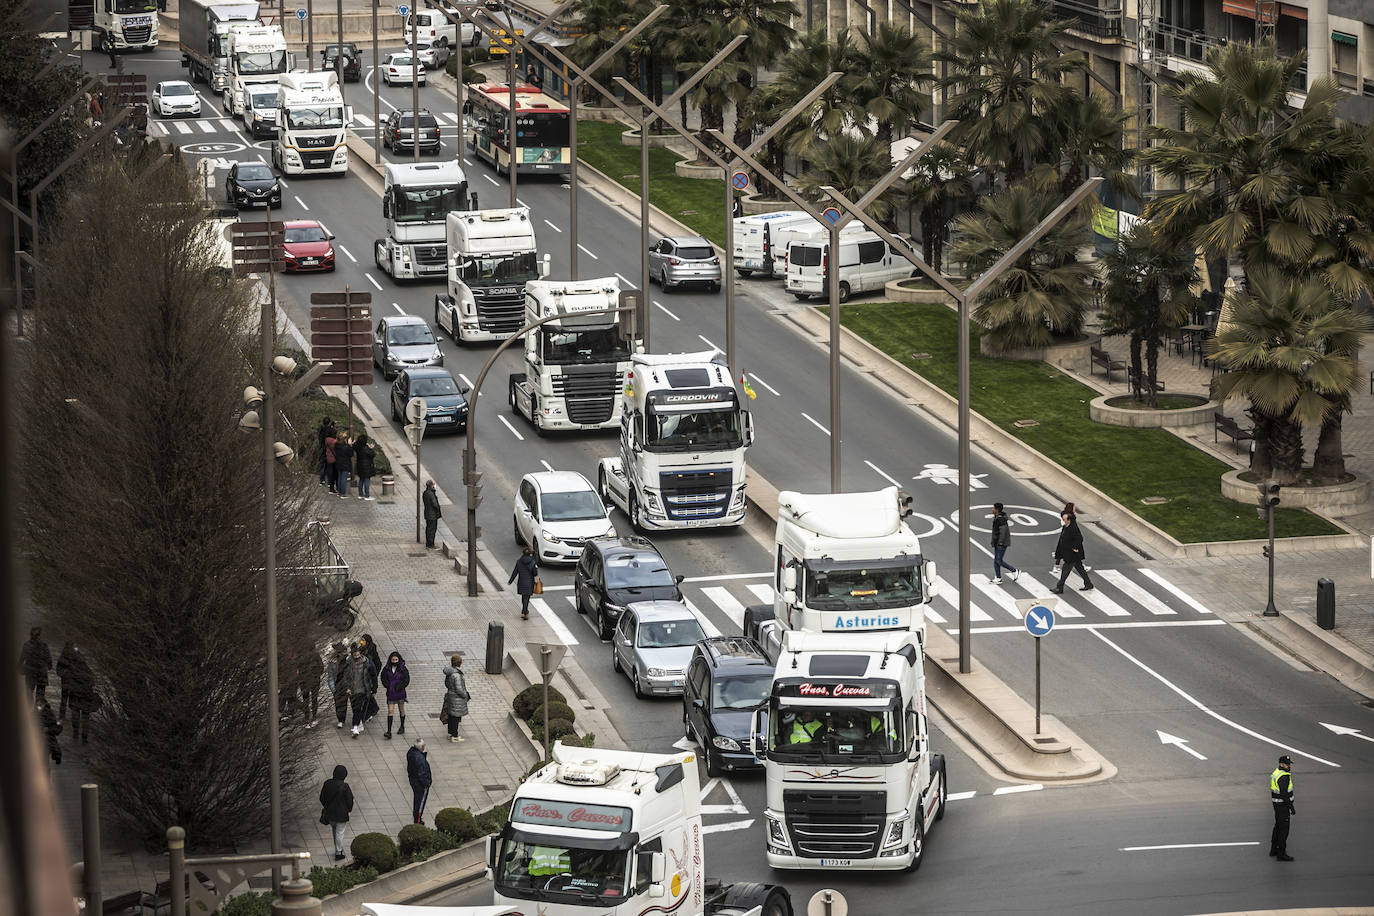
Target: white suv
<point>556,513</point>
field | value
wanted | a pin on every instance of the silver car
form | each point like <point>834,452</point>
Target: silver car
<point>404,342</point>
<point>675,260</point>
<point>653,643</point>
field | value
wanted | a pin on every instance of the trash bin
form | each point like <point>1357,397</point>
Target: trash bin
<point>496,647</point>
<point>388,485</point>
<point>1326,604</point>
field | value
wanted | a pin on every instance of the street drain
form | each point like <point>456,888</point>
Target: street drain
<point>429,581</point>
<point>416,554</point>
<point>495,787</point>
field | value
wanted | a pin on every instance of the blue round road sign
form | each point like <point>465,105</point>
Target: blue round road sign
<point>302,13</point>
<point>740,180</point>
<point>831,215</point>
<point>1039,621</point>
<point>403,9</point>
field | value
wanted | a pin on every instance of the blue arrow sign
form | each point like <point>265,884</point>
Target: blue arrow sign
<point>1039,621</point>
<point>302,13</point>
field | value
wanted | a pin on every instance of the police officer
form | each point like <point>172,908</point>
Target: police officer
<point>1281,794</point>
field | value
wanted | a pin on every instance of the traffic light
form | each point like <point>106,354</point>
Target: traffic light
<point>1268,494</point>
<point>1265,551</point>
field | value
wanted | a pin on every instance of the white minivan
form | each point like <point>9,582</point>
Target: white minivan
<point>804,231</point>
<point>753,246</point>
<point>866,263</point>
<point>432,25</point>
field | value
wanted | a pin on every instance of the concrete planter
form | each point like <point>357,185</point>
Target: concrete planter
<point>754,204</point>
<point>1072,355</point>
<point>598,113</point>
<point>905,291</point>
<point>1101,412</point>
<point>686,168</point>
<point>670,141</point>
<point>1337,499</point>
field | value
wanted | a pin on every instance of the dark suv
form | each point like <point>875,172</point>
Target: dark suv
<point>614,572</point>
<point>399,131</point>
<point>352,63</point>
<point>727,679</point>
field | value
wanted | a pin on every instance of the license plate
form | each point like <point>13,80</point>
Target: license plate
<point>308,262</point>
<point>437,420</point>
<point>836,863</point>
<point>677,683</point>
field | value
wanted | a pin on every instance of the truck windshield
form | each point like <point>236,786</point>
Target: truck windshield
<point>594,345</point>
<point>315,118</point>
<point>248,63</point>
<point>842,586</point>
<point>134,6</point>
<point>510,268</point>
<point>835,733</point>
<point>556,872</point>
<point>688,431</point>
<point>424,205</point>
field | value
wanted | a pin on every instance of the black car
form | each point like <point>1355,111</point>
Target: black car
<point>616,571</point>
<point>399,131</point>
<point>727,679</point>
<point>352,64</point>
<point>446,403</point>
<point>252,184</point>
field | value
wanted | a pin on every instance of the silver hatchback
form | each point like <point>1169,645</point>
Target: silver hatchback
<point>675,260</point>
<point>652,644</point>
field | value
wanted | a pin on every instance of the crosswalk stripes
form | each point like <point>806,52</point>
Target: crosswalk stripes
<point>727,602</point>
<point>707,627</point>
<point>364,121</point>
<point>1136,593</point>
<point>449,116</point>
<point>998,597</point>
<point>1042,591</point>
<point>541,607</point>
<point>764,593</point>
<point>1174,590</point>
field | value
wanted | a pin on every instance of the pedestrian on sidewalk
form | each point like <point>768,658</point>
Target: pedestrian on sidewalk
<point>326,431</point>
<point>35,659</point>
<point>84,698</point>
<point>1281,794</point>
<point>1001,540</point>
<point>343,464</point>
<point>1069,553</point>
<point>365,456</point>
<point>47,720</point>
<point>397,679</point>
<point>456,696</point>
<point>64,671</point>
<point>375,658</point>
<point>420,776</point>
<point>337,672</point>
<point>527,572</point>
<point>331,442</point>
<point>360,682</point>
<point>432,513</point>
<point>336,801</point>
<point>308,674</point>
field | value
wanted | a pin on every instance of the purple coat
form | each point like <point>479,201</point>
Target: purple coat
<point>396,679</point>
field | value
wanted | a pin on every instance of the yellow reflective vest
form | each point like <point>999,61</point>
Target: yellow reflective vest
<point>803,732</point>
<point>549,860</point>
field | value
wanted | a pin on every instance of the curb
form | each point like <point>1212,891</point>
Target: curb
<point>411,882</point>
<point>1300,637</point>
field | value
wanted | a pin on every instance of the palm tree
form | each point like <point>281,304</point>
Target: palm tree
<point>1290,348</point>
<point>1046,292</point>
<point>768,23</point>
<point>851,164</point>
<point>938,179</point>
<point>1147,296</point>
<point>813,59</point>
<point>1006,74</point>
<point>601,23</point>
<point>1090,134</point>
<point>893,66</point>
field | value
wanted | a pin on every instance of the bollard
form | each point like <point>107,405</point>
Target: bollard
<point>388,485</point>
<point>496,647</point>
<point>296,899</point>
<point>1326,604</point>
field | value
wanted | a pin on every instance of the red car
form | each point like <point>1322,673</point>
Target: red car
<point>307,246</point>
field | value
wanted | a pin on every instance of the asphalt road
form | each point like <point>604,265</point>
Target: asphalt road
<point>1131,667</point>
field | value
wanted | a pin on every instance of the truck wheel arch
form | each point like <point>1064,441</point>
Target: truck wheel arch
<point>744,896</point>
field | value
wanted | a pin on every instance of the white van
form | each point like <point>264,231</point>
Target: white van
<point>802,231</point>
<point>754,240</point>
<point>432,25</point>
<point>866,263</point>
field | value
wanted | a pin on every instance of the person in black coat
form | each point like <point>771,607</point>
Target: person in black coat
<point>365,458</point>
<point>526,571</point>
<point>420,776</point>
<point>51,727</point>
<point>83,697</point>
<point>336,801</point>
<point>35,658</point>
<point>327,431</point>
<point>1069,554</point>
<point>432,513</point>
<point>343,464</point>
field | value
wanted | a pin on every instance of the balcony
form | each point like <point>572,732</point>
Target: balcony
<point>1182,49</point>
<point>1087,17</point>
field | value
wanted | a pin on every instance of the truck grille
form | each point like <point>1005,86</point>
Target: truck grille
<point>840,824</point>
<point>431,255</point>
<point>696,494</point>
<point>137,34</point>
<point>588,391</point>
<point>502,314</point>
<point>316,160</point>
<point>314,142</point>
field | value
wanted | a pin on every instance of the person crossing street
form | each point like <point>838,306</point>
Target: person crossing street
<point>1281,795</point>
<point>1001,540</point>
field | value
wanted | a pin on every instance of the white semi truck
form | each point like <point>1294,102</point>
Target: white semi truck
<point>203,33</point>
<point>491,255</point>
<point>416,201</point>
<point>257,54</point>
<point>311,122</point>
<point>574,366</point>
<point>129,25</point>
<point>683,435</point>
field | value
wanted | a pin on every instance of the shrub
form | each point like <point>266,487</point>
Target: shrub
<point>557,710</point>
<point>247,905</point>
<point>491,821</point>
<point>532,697</point>
<point>576,740</point>
<point>557,729</point>
<point>376,850</point>
<point>327,881</point>
<point>414,838</point>
<point>458,823</point>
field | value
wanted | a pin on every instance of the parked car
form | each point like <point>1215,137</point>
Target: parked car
<point>727,679</point>
<point>676,260</point>
<point>307,246</point>
<point>446,403</point>
<point>653,642</point>
<point>404,342</point>
<point>613,572</point>
<point>401,67</point>
<point>176,97</point>
<point>433,54</point>
<point>399,131</point>
<point>252,184</point>
<point>352,63</point>
<point>556,512</point>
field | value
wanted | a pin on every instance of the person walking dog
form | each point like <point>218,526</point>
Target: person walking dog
<point>527,572</point>
<point>421,778</point>
<point>1001,540</point>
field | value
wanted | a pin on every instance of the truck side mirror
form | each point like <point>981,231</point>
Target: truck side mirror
<point>789,578</point>
<point>657,868</point>
<point>930,579</point>
<point>756,743</point>
<point>748,423</point>
<point>493,846</point>
<point>545,265</point>
<point>348,114</point>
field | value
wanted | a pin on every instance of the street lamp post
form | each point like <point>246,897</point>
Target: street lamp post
<point>376,94</point>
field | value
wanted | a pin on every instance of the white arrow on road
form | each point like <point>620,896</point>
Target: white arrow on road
<point>1038,621</point>
<point>1182,743</point>
<point>1345,730</point>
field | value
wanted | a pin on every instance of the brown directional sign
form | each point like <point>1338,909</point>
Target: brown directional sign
<point>257,247</point>
<point>341,332</point>
<point>348,297</point>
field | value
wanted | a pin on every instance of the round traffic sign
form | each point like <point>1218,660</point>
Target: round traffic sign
<point>416,410</point>
<point>1039,620</point>
<point>740,180</point>
<point>831,214</point>
<point>403,9</point>
<point>302,13</point>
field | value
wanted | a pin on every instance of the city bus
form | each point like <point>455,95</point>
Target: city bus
<point>541,128</point>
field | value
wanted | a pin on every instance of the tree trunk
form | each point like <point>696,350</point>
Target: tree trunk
<point>1151,368</point>
<point>1285,443</point>
<point>1262,456</point>
<point>1328,462</point>
<point>1135,360</point>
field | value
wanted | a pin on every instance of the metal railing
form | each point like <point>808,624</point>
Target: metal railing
<point>1187,44</point>
<point>1100,22</point>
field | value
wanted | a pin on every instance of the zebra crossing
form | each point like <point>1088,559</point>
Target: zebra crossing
<point>1134,597</point>
<point>194,127</point>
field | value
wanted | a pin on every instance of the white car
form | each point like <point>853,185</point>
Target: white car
<point>176,97</point>
<point>556,513</point>
<point>433,55</point>
<point>401,68</point>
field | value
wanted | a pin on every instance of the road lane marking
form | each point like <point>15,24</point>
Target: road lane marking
<point>1197,703</point>
<point>1136,593</point>
<point>348,254</point>
<point>999,597</point>
<point>813,422</point>
<point>521,203</point>
<point>706,625</point>
<point>959,796</point>
<point>553,227</point>
<point>492,180</point>
<point>1174,590</point>
<point>184,128</point>
<point>726,577</point>
<point>372,281</point>
<point>950,594</point>
<point>1185,846</point>
<point>776,394</point>
<point>880,472</point>
<point>624,279</point>
<point>722,828</point>
<point>541,607</point>
<point>764,593</point>
<point>1120,625</point>
<point>728,603</point>
<point>513,431</point>
<point>664,310</point>
<point>1012,790</point>
<point>364,121</point>
<point>466,381</point>
<point>301,202</point>
<point>547,466</point>
<point>587,251</point>
<point>1040,591</point>
<point>397,307</point>
<point>708,343</point>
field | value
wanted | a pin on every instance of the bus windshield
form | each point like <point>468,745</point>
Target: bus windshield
<point>594,345</point>
<point>553,871</point>
<point>835,733</point>
<point>685,431</point>
<point>424,205</point>
<point>868,585</point>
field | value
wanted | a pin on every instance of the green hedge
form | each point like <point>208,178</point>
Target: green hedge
<point>376,850</point>
<point>557,710</point>
<point>417,838</point>
<point>249,904</point>
<point>558,728</point>
<point>532,697</point>
<point>336,880</point>
<point>458,823</point>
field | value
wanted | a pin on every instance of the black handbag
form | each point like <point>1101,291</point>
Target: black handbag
<point>324,818</point>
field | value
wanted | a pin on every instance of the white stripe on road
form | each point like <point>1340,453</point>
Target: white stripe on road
<point>764,593</point>
<point>466,381</point>
<point>299,201</point>
<point>449,116</point>
<point>1120,625</point>
<point>541,607</point>
<point>708,343</point>
<point>372,281</point>
<point>959,796</point>
<point>1184,846</point>
<point>547,466</point>
<point>999,597</point>
<point>814,423</point>
<point>765,384</point>
<point>553,227</point>
<point>661,308</point>
<point>1136,593</point>
<point>1174,590</point>
<point>1102,602</point>
<point>880,472</point>
<point>512,429</point>
<point>732,825</point>
<point>182,127</point>
<point>348,254</point>
<point>1033,585</point>
<point>727,603</point>
<point>210,128</point>
<point>950,594</point>
<point>397,307</point>
<point>721,578</point>
<point>492,180</point>
<point>585,250</point>
<point>364,121</point>
<point>624,279</point>
<point>1012,790</point>
<point>709,628</point>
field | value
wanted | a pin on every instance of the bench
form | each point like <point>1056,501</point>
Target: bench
<point>1224,425</point>
<point>1101,357</point>
<point>132,902</point>
<point>1139,383</point>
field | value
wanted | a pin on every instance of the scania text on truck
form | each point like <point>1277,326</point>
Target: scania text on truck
<point>128,25</point>
<point>574,366</point>
<point>203,34</point>
<point>257,54</point>
<point>311,121</point>
<point>683,435</point>
<point>850,779</point>
<point>491,255</point>
<point>416,201</point>
<point>846,563</point>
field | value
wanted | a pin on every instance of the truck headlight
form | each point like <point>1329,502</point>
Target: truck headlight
<point>651,499</point>
<point>776,834</point>
<point>725,744</point>
<point>896,834</point>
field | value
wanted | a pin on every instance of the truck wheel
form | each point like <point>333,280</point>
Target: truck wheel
<point>510,395</point>
<point>602,631</point>
<point>844,292</point>
<point>634,513</point>
<point>602,487</point>
<point>918,843</point>
<point>944,791</point>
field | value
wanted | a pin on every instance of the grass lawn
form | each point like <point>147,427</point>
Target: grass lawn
<point>1126,464</point>
<point>692,201</point>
